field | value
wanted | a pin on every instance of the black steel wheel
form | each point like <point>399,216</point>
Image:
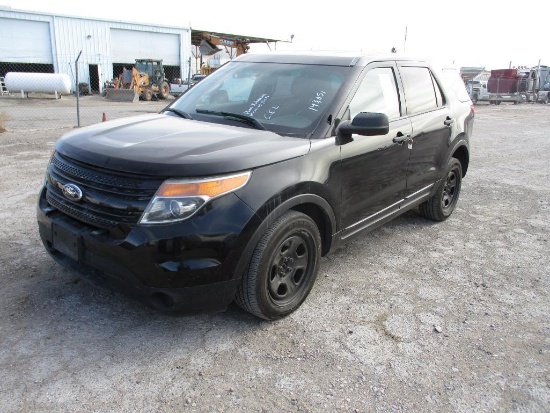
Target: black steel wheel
<point>283,267</point>
<point>442,204</point>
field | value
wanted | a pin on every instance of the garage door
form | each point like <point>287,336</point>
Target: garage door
<point>129,45</point>
<point>25,41</point>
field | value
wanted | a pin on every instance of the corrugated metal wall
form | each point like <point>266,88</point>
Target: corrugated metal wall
<point>23,40</point>
<point>127,45</point>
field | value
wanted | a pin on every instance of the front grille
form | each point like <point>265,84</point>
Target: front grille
<point>94,175</point>
<point>109,197</point>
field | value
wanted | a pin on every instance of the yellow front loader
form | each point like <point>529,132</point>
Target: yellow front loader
<point>146,82</point>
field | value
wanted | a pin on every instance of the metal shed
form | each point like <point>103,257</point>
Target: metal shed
<point>40,42</point>
<point>51,43</point>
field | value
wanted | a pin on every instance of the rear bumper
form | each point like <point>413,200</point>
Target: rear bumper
<point>170,268</point>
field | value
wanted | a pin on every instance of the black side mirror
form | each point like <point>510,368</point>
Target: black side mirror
<point>366,124</point>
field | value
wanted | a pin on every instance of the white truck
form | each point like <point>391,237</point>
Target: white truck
<point>543,94</point>
<point>177,87</point>
<point>477,87</point>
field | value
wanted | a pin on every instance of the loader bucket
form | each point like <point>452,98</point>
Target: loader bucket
<point>121,95</point>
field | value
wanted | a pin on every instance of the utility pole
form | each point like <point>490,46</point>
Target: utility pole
<point>77,91</point>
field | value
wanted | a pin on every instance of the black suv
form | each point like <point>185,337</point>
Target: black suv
<point>235,190</point>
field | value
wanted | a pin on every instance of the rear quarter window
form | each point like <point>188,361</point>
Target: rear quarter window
<point>455,83</point>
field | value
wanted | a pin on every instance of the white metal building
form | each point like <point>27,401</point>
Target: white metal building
<point>40,42</point>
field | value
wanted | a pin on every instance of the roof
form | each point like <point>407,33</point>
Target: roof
<point>468,73</point>
<point>327,57</point>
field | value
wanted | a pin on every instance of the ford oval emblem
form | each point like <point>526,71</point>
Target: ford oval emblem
<point>72,192</point>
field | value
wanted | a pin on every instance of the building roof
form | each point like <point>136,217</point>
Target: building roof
<point>198,35</point>
<point>209,42</point>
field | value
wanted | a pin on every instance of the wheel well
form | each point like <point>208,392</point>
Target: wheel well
<point>464,157</point>
<point>322,221</point>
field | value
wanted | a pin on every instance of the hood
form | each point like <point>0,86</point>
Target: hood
<point>164,145</point>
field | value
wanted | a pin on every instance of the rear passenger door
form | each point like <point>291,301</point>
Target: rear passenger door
<point>429,114</point>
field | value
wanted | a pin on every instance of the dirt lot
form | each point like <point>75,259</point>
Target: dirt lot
<point>416,316</point>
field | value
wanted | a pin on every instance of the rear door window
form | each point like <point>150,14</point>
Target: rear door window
<point>422,92</point>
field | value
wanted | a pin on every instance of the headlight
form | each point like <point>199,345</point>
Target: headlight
<point>177,200</point>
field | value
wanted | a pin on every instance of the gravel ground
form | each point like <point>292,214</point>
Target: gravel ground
<point>415,316</point>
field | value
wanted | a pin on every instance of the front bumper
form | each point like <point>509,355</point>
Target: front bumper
<point>185,267</point>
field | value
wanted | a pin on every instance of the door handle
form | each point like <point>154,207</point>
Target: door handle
<point>448,122</point>
<point>400,138</point>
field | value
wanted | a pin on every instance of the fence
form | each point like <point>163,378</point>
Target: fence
<point>33,106</point>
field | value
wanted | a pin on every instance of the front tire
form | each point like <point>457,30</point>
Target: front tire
<point>442,204</point>
<point>283,267</point>
<point>147,95</point>
<point>164,90</point>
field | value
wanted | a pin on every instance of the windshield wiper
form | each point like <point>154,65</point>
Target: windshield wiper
<point>180,113</point>
<point>246,119</point>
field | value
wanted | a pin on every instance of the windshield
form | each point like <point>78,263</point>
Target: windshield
<point>289,99</point>
<point>141,67</point>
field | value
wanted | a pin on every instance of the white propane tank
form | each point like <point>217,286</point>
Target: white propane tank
<point>38,82</point>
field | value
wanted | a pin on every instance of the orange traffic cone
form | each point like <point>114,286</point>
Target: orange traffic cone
<point>104,117</point>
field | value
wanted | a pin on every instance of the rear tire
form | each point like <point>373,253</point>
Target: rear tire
<point>442,204</point>
<point>282,269</point>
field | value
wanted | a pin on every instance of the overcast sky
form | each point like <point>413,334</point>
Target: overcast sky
<point>488,34</point>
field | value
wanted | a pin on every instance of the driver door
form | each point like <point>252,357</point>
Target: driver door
<point>374,168</point>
